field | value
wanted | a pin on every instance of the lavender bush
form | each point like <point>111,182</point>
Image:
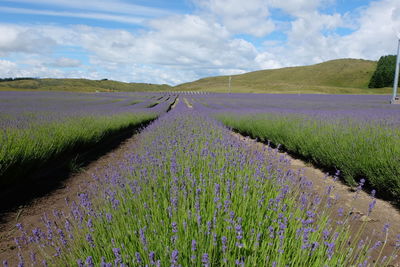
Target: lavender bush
<point>191,194</point>
<point>38,127</point>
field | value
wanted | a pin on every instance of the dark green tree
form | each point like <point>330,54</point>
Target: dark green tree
<point>384,73</point>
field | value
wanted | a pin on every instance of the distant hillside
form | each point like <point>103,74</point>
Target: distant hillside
<point>339,76</point>
<point>81,85</point>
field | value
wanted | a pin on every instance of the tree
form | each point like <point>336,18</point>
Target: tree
<point>384,73</point>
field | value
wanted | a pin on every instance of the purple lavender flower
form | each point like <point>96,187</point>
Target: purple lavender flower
<point>371,206</point>
<point>174,227</point>
<point>104,263</point>
<point>138,258</point>
<point>224,243</point>
<point>174,258</point>
<point>398,241</point>
<point>20,227</point>
<point>89,261</point>
<point>117,255</point>
<point>143,237</point>
<point>152,258</point>
<point>239,262</point>
<point>205,260</point>
<point>109,217</point>
<point>329,251</point>
<point>33,257</point>
<point>386,228</point>
<point>194,245</point>
<point>89,239</point>
<point>90,224</point>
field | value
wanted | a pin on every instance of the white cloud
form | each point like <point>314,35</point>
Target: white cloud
<point>85,15</point>
<point>298,7</point>
<point>181,48</point>
<point>24,39</point>
<point>238,17</point>
<point>114,6</point>
<point>64,62</point>
<point>7,68</point>
<point>196,47</point>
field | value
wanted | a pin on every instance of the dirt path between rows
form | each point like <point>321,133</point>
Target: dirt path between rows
<point>30,215</point>
<point>355,203</point>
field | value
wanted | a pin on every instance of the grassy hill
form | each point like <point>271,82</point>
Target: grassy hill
<point>81,85</point>
<point>341,76</point>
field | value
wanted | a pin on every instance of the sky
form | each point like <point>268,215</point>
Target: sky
<point>177,41</point>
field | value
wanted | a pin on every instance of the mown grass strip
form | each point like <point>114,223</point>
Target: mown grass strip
<point>358,150</point>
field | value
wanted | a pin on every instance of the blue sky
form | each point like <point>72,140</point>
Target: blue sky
<point>178,41</point>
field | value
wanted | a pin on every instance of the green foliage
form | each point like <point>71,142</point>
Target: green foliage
<point>204,190</point>
<point>384,73</point>
<point>358,151</point>
<point>16,79</point>
<point>25,150</point>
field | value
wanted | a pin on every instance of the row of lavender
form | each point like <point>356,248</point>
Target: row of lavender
<point>27,109</point>
<point>189,193</point>
<point>39,127</point>
<point>358,135</point>
<point>362,108</point>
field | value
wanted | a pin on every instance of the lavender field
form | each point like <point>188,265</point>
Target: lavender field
<point>39,127</point>
<point>190,193</point>
<point>356,135</point>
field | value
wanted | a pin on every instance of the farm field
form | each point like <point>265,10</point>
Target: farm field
<point>357,135</point>
<point>39,128</point>
<point>188,192</point>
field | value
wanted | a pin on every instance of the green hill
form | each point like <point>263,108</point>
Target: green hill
<point>339,76</point>
<point>81,85</point>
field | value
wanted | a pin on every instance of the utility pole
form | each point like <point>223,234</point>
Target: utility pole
<point>395,99</point>
<point>230,78</point>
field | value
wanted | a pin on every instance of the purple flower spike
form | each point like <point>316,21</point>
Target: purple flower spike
<point>21,262</point>
<point>174,258</point>
<point>89,239</point>
<point>174,227</point>
<point>117,254</point>
<point>371,206</point>
<point>205,260</point>
<point>152,257</point>
<point>109,217</point>
<point>398,241</point>
<point>224,243</point>
<point>19,226</point>
<point>89,261</point>
<point>194,245</point>
<point>138,258</point>
<point>386,228</point>
<point>104,263</point>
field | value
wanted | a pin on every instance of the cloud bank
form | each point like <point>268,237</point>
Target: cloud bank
<point>218,37</point>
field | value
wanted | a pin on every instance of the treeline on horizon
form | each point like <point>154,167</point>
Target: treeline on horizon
<point>384,73</point>
<point>17,79</point>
